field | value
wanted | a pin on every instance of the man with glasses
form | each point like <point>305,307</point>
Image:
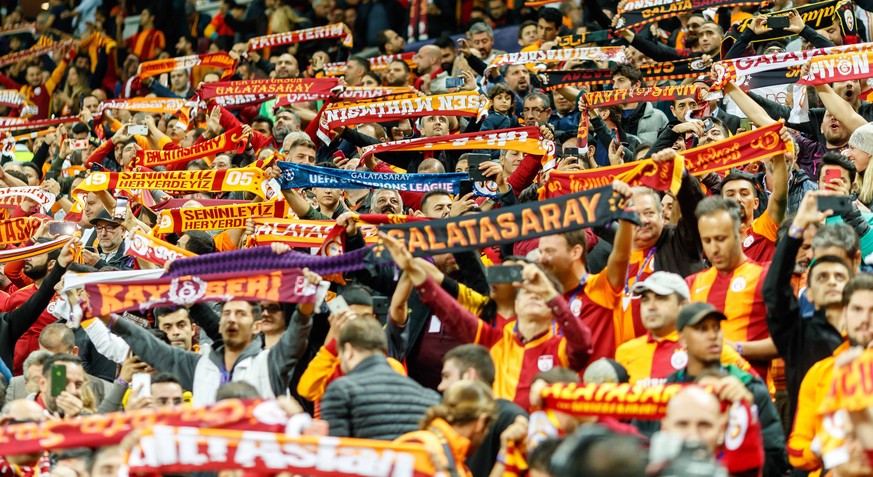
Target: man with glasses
<point>536,109</point>
<point>111,246</point>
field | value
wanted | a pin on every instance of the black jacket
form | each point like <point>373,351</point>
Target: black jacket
<point>14,323</point>
<point>374,402</point>
<point>679,249</point>
<point>800,342</point>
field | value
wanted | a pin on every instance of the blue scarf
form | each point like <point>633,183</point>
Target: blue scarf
<point>301,175</point>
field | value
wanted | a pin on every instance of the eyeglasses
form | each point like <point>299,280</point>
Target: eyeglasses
<point>106,228</point>
<point>532,110</point>
<point>271,308</point>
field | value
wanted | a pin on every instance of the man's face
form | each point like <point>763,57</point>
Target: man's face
<point>36,267</point>
<point>825,168</point>
<point>386,202</point>
<point>425,58</point>
<point>31,378</point>
<point>709,38</point>
<point>562,104</point>
<point>75,381</point>
<point>483,42</point>
<point>859,318</point>
<point>109,235</point>
<point>697,420</point>
<point>354,73</point>
<point>743,192</point>
<point>33,76</point>
<point>167,394</point>
<point>510,160</point>
<point>826,283</point>
<point>720,241</point>
<point>286,67</point>
<point>518,79</point>
<point>179,80</point>
<point>557,257</point>
<point>648,232</point>
<point>302,155</point>
<point>272,319</point>
<point>528,35</point>
<point>262,127</point>
<point>703,341</point>
<point>91,104</point>
<point>182,46</point>
<point>848,90</point>
<point>833,131</point>
<point>496,10</point>
<point>451,374</point>
<point>396,75</point>
<point>712,133</point>
<point>435,126</point>
<point>235,324</point>
<point>535,112</point>
<point>447,57</point>
<point>284,124</point>
<point>622,82</point>
<point>658,311</point>
<point>833,34</point>
<point>681,108</point>
<point>327,198</point>
<point>804,254</point>
<point>395,42</point>
<point>221,161</point>
<point>177,326</point>
<point>546,30</point>
<point>108,464</point>
<point>437,207</point>
<point>93,206</point>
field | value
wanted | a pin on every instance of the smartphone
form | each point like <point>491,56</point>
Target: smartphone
<point>78,144</point>
<point>63,228</point>
<point>380,305</point>
<point>840,204</point>
<point>571,152</point>
<point>473,161</point>
<point>462,42</point>
<point>833,174</point>
<point>778,22</point>
<point>137,129</point>
<point>120,208</point>
<point>465,188</point>
<point>454,82</point>
<point>143,381</point>
<point>504,273</point>
<point>616,138</point>
<point>91,249</point>
<point>59,379</point>
<point>337,305</point>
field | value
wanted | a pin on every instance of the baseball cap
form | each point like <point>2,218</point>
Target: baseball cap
<point>694,313</point>
<point>105,217</point>
<point>663,283</point>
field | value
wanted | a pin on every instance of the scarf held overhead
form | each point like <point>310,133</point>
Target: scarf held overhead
<point>21,253</point>
<point>218,218</point>
<point>11,197</point>
<point>17,230</point>
<point>303,175</point>
<point>833,68</point>
<point>468,103</point>
<point>643,16</point>
<point>285,286</point>
<point>606,53</point>
<point>314,88</point>
<point>247,179</point>
<point>232,140</point>
<point>326,32</point>
<point>216,60</point>
<point>302,233</point>
<point>507,225</point>
<point>154,250</point>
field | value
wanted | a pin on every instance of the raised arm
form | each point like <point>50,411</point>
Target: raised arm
<point>748,106</point>
<point>619,258</point>
<point>839,107</point>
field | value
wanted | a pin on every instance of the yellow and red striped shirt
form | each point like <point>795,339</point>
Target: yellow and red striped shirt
<point>594,303</point>
<point>641,265</point>
<point>738,295</point>
<point>146,44</point>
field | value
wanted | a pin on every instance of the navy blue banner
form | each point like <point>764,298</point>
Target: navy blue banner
<point>295,176</point>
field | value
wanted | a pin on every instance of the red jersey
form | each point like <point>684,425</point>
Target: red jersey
<point>760,242</point>
<point>593,302</point>
<point>641,265</point>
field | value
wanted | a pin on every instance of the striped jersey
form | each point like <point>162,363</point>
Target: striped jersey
<point>594,302</point>
<point>146,44</point>
<point>641,265</point>
<point>760,242</point>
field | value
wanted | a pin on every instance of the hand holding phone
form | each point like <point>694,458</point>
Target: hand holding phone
<point>62,228</point>
<point>143,383</point>
<point>833,174</point>
<point>839,204</point>
<point>473,161</point>
<point>778,22</point>
<point>504,273</point>
<point>454,82</point>
<point>139,129</point>
<point>58,379</point>
<point>465,188</point>
<point>337,305</point>
<point>120,212</point>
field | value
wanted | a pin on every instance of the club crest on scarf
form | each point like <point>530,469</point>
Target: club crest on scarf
<point>187,291</point>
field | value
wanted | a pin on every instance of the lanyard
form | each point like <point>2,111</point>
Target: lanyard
<point>578,289</point>
<point>453,467</point>
<point>640,272</point>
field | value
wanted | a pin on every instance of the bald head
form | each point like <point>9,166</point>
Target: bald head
<point>431,166</point>
<point>695,414</point>
<point>57,338</point>
<point>427,59</point>
<point>23,410</point>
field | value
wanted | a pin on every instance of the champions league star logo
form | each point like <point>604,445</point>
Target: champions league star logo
<point>287,175</point>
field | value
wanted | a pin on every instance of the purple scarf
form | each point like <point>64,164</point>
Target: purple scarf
<point>263,258</point>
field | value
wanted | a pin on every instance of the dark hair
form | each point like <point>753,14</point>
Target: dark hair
<point>162,311</point>
<point>357,295</point>
<point>34,167</point>
<point>434,193</point>
<point>80,128</point>
<point>365,335</point>
<point>502,88</point>
<point>59,358</point>
<point>199,242</point>
<point>375,76</point>
<point>551,15</point>
<point>476,357</point>
<point>445,41</point>
<point>540,457</point>
<point>577,237</point>
<point>405,65</point>
<point>382,40</point>
<point>827,259</point>
<point>713,204</point>
<point>594,451</point>
<point>256,307</point>
<point>263,119</point>
<point>524,25</point>
<point>737,175</point>
<point>860,282</point>
<point>165,378</point>
<point>627,70</point>
<point>362,62</point>
<point>833,158</point>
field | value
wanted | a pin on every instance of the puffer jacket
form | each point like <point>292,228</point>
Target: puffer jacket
<point>374,402</point>
<point>645,123</point>
<point>798,185</point>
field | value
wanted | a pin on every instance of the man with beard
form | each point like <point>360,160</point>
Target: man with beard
<point>856,318</point>
<point>185,46</point>
<point>398,74</point>
<point>427,340</point>
<point>389,42</point>
<point>734,283</point>
<point>518,79</point>
<point>111,244</point>
<point>180,83</point>
<point>68,403</point>
<point>431,77</point>
<point>36,268</point>
<point>482,37</point>
<point>385,201</point>
<point>803,342</point>
<point>238,358</point>
<point>356,69</point>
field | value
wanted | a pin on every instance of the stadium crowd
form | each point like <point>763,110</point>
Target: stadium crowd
<point>408,237</point>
